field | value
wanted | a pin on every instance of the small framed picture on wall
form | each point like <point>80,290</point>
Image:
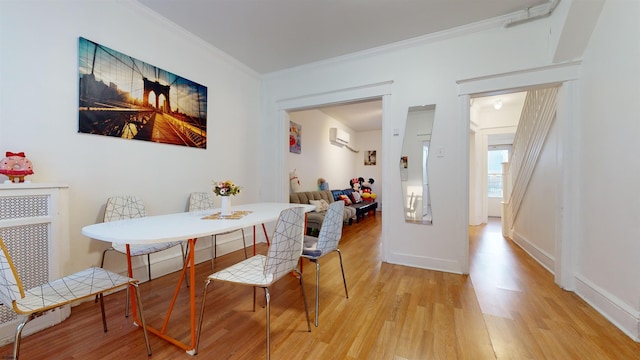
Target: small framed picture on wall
<point>370,157</point>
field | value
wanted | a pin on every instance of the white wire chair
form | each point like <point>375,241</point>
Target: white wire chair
<point>81,285</point>
<point>199,201</point>
<point>326,243</point>
<point>263,271</point>
<point>130,207</point>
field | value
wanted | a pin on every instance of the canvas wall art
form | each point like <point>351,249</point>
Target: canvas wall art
<point>121,96</point>
<point>295,136</point>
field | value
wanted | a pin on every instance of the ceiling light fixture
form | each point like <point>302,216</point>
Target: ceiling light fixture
<point>497,104</point>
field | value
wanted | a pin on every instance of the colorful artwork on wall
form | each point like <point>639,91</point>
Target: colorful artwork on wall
<point>121,96</point>
<point>295,136</point>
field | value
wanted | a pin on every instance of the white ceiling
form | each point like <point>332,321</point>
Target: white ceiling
<point>272,35</point>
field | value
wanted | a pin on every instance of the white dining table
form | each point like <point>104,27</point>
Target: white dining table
<point>184,226</point>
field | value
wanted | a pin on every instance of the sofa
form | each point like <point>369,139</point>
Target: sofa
<point>362,207</point>
<point>315,218</point>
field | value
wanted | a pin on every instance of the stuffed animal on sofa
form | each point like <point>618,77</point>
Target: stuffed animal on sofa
<point>367,193</point>
<point>355,184</point>
<point>294,181</point>
<point>323,184</point>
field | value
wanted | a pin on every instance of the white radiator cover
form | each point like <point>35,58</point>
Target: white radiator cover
<point>33,219</point>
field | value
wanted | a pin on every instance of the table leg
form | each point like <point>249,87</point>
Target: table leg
<point>132,291</point>
<point>188,266</point>
<point>264,229</point>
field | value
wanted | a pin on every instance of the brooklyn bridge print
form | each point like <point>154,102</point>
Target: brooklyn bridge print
<point>124,97</point>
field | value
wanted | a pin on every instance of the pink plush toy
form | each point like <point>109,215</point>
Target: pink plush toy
<point>16,166</point>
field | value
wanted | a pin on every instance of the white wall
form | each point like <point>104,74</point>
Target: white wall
<point>39,115</point>
<point>424,73</point>
<point>606,251</point>
<point>608,194</point>
<point>535,227</point>
<point>336,164</point>
<point>320,158</point>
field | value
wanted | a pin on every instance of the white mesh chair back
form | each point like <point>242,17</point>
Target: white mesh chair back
<point>10,286</point>
<point>326,242</point>
<point>200,201</point>
<point>286,243</point>
<point>262,271</point>
<point>124,207</point>
<point>331,230</point>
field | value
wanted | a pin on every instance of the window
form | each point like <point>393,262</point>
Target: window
<point>497,155</point>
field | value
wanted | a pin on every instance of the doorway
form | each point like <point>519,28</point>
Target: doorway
<point>548,248</point>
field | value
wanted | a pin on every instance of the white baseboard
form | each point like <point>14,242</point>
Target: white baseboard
<point>617,312</point>
<point>620,314</point>
<point>424,262</point>
<point>543,258</point>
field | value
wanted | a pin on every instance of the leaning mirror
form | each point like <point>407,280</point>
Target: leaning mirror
<point>413,164</point>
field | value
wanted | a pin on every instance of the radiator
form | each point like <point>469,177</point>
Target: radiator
<point>30,225</point>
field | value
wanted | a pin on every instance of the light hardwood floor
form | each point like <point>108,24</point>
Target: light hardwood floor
<point>507,308</point>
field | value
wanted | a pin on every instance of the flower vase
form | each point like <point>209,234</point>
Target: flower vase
<point>226,206</point>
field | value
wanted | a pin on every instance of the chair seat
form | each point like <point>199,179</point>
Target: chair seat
<point>85,283</point>
<point>248,272</point>
<point>137,250</point>
<point>311,253</point>
<point>310,247</point>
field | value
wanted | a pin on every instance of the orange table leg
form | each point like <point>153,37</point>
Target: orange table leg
<point>264,229</point>
<point>188,266</point>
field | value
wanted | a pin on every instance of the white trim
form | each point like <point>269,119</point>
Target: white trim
<point>620,314</point>
<point>463,200</point>
<point>569,230</point>
<point>534,78</point>
<point>543,258</point>
<point>520,79</point>
<point>366,91</point>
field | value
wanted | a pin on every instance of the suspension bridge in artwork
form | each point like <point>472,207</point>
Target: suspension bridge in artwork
<point>124,97</point>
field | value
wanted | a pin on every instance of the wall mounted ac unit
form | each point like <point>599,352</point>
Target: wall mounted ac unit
<point>338,136</point>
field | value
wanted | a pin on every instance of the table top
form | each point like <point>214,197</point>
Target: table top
<point>185,225</point>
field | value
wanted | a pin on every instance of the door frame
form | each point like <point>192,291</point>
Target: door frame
<point>566,74</point>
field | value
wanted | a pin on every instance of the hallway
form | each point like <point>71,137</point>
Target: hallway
<point>527,315</point>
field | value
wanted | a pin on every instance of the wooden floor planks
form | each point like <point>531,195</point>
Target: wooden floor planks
<point>508,307</point>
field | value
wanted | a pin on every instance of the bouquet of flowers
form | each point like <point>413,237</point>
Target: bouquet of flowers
<point>225,188</point>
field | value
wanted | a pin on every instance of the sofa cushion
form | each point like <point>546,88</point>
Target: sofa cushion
<point>321,205</point>
<point>346,199</point>
<point>315,218</point>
